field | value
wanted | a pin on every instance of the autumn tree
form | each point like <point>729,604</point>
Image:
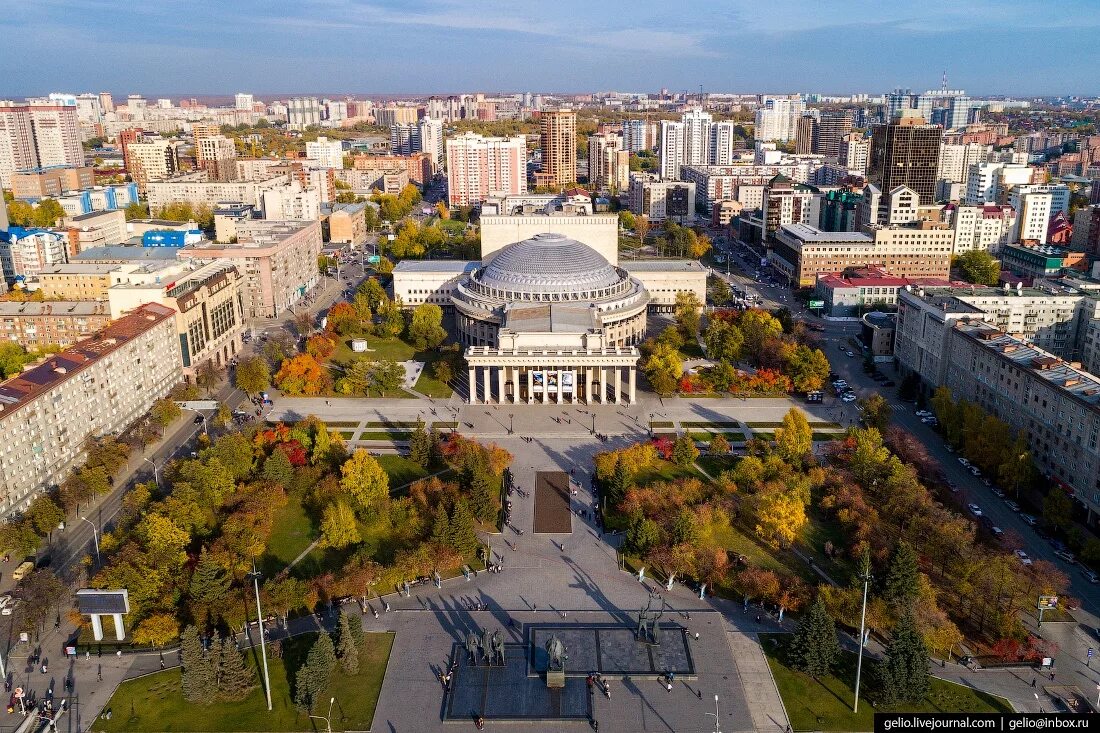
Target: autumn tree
<point>252,375</point>
<point>876,411</point>
<point>794,440</point>
<point>1057,509</point>
<point>719,446</point>
<point>807,368</point>
<point>338,526</point>
<point>165,412</point>
<point>757,327</point>
<point>425,328</point>
<point>687,312</point>
<point>319,346</point>
<point>157,630</point>
<point>365,480</point>
<point>301,375</point>
<point>663,369</point>
<point>780,515</point>
<point>723,340</point>
<point>684,451</point>
<point>277,468</point>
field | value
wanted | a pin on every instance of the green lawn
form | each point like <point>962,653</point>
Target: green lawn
<point>665,471</point>
<point>661,424</point>
<point>155,702</point>
<point>400,470</point>
<point>826,704</point>
<point>347,434</point>
<point>707,435</point>
<point>714,465</point>
<point>337,424</point>
<point>381,349</point>
<point>427,384</point>
<point>291,533</point>
<point>393,424</point>
<point>711,424</point>
<point>385,435</point>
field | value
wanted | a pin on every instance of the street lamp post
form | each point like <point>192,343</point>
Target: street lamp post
<point>260,625</point>
<point>865,576</point>
<point>156,471</point>
<point>593,423</point>
<point>511,423</point>
<point>95,538</point>
<point>715,714</point>
<point>327,718</point>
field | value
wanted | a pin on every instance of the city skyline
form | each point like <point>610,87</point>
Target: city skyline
<point>414,47</point>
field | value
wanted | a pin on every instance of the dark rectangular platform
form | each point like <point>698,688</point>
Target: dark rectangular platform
<point>612,651</point>
<point>552,504</point>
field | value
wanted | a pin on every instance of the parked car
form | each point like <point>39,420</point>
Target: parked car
<point>1029,520</point>
<point>1066,555</point>
<point>1012,505</point>
<point>1023,557</point>
<point>974,509</point>
<point>997,493</point>
<point>1090,575</point>
<point>965,463</point>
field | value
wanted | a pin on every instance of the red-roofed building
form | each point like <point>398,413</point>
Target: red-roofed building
<point>855,291</point>
<point>100,386</point>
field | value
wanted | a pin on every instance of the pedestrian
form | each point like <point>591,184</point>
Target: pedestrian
<point>668,686</point>
<point>696,636</point>
<point>99,673</point>
<point>595,725</point>
<point>479,722</point>
<point>1032,681</point>
<point>699,694</point>
<point>1052,675</point>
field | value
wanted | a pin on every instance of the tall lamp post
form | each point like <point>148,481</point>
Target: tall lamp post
<point>156,471</point>
<point>865,576</point>
<point>715,714</point>
<point>327,718</point>
<point>95,537</point>
<point>260,625</point>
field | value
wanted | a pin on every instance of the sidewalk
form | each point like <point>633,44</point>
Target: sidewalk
<point>765,705</point>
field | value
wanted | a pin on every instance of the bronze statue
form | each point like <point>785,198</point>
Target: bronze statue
<point>649,617</point>
<point>497,646</point>
<point>556,651</point>
<point>472,646</point>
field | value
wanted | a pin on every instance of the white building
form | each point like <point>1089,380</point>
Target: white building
<point>292,202</point>
<point>327,153</point>
<point>988,183</point>
<point>659,200</point>
<point>303,112</point>
<point>38,135</point>
<point>431,141</point>
<point>672,148</point>
<point>987,227</point>
<point>608,162</point>
<point>25,252</point>
<point>195,189</point>
<point>777,118</point>
<point>955,160</point>
<point>243,101</point>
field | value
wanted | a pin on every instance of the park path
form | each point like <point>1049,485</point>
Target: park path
<point>765,704</point>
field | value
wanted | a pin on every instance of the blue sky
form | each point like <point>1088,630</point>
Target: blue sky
<point>169,47</point>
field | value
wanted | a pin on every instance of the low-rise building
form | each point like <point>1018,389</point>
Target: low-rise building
<point>346,224</point>
<point>658,200</point>
<point>664,279</point>
<point>76,281</point>
<point>877,334</point>
<point>724,212</point>
<point>1031,261</point>
<point>197,190</point>
<point>100,386</point>
<point>51,182</point>
<point>364,182</point>
<point>96,229</point>
<point>278,259</point>
<point>851,293</point>
<point>35,326</point>
<point>508,219</point>
<point>99,198</point>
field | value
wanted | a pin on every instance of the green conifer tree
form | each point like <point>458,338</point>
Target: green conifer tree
<point>814,647</point>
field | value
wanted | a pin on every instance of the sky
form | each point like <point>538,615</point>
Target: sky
<point>270,47</point>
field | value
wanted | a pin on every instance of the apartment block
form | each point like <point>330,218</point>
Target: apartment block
<point>988,227</point>
<point>196,189</point>
<point>38,135</point>
<point>328,153</point>
<point>96,229</point>
<point>479,167</point>
<point>57,323</point>
<point>558,142</point>
<point>50,182</point>
<point>659,200</point>
<point>346,224</point>
<point>100,386</point>
<point>278,259</point>
<point>155,160</point>
<point>27,252</point>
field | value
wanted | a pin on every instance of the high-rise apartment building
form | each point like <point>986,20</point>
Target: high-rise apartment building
<point>301,112</point>
<point>671,147</point>
<point>37,136</point>
<point>639,135</point>
<point>905,152</point>
<point>155,160</point>
<point>431,141</point>
<point>201,131</point>
<point>608,162</point>
<point>107,102</point>
<point>723,142</point>
<point>697,126</point>
<point>328,153</point>
<point>219,157</point>
<point>806,137</point>
<point>855,149</point>
<point>777,118</point>
<point>558,141</point>
<point>955,160</point>
<point>696,140</point>
<point>479,167</point>
<point>989,183</point>
<point>243,102</point>
<point>404,139</point>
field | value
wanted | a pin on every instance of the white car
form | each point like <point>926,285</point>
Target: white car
<point>975,470</point>
<point>1012,505</point>
<point>974,509</point>
<point>1091,576</point>
<point>1029,520</point>
<point>1023,557</point>
<point>849,397</point>
<point>965,463</point>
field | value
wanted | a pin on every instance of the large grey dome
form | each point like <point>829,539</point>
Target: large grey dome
<point>549,263</point>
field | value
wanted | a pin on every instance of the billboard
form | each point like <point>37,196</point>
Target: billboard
<point>816,304</point>
<point>170,238</point>
<point>552,381</point>
<point>1047,603</point>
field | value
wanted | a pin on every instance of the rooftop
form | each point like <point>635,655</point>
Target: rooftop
<point>549,317</point>
<point>27,386</point>
<point>455,266</point>
<point>663,266</point>
<point>111,213</point>
<point>55,307</point>
<point>123,253</point>
<point>1047,366</point>
<point>807,233</point>
<point>78,268</point>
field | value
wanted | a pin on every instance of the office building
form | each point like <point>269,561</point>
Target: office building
<point>802,252</point>
<point>243,102</point>
<point>608,162</point>
<point>101,386</point>
<point>327,153</point>
<point>777,118</point>
<point>905,152</point>
<point>208,302</point>
<point>558,143</point>
<point>479,167</point>
<point>278,259</point>
<point>302,112</point>
<point>833,126</point>
<point>35,326</point>
<point>42,183</point>
<point>26,252</point>
<point>38,136</point>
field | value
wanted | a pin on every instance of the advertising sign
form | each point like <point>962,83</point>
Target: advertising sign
<point>1047,603</point>
<point>816,304</point>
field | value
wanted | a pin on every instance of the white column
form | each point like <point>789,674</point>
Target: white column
<point>120,630</point>
<point>601,393</point>
<point>588,385</point>
<point>500,385</point>
<point>631,379</point>
<point>618,384</point>
<point>530,386</point>
<point>485,380</point>
<point>97,627</point>
<point>473,385</point>
<point>557,397</point>
<point>576,386</point>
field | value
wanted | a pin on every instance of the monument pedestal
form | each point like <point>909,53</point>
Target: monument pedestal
<point>555,678</point>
